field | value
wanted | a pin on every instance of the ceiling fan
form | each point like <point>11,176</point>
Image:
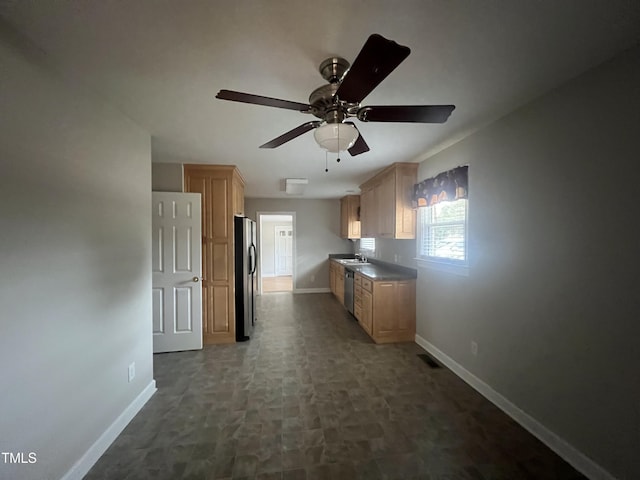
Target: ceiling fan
<point>339,100</point>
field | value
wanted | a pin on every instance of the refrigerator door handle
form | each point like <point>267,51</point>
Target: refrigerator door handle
<point>254,259</point>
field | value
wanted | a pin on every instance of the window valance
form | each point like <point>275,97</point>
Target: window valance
<point>446,186</point>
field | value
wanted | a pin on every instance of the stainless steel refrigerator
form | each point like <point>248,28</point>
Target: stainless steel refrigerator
<point>246,261</point>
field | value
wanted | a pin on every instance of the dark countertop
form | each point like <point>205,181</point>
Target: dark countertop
<point>377,270</point>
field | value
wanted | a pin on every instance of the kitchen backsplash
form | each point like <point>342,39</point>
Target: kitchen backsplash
<point>400,252</point>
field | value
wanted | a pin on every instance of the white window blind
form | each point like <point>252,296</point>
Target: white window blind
<point>368,244</point>
<point>442,231</point>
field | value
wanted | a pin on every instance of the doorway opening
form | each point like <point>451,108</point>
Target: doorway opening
<point>276,235</point>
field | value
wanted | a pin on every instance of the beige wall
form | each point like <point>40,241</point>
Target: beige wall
<point>317,235</point>
<point>552,293</point>
<point>75,264</point>
<point>167,177</point>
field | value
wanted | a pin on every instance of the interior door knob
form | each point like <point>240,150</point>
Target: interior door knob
<point>196,279</point>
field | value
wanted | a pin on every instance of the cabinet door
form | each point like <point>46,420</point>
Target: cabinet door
<point>354,217</point>
<point>344,218</point>
<point>387,210</point>
<point>386,199</point>
<point>215,185</point>
<point>357,296</point>
<point>366,312</point>
<point>368,214</point>
<point>385,309</point>
<point>363,213</point>
<point>238,197</point>
<point>405,297</point>
<point>405,215</point>
<point>332,278</point>
<point>340,284</point>
<point>357,302</point>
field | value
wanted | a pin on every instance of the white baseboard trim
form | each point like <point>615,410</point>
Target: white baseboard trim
<point>91,456</point>
<point>577,459</point>
<point>311,290</point>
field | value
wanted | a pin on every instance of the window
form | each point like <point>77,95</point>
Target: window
<point>368,245</point>
<point>442,232</point>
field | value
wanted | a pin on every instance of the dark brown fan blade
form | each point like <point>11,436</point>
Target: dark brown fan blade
<point>291,134</point>
<point>360,146</point>
<point>406,113</point>
<point>377,59</point>
<point>259,100</point>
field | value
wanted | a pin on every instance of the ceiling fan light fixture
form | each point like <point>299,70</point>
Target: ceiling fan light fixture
<point>336,137</point>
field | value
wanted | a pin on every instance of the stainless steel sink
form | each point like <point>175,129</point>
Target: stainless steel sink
<point>352,261</point>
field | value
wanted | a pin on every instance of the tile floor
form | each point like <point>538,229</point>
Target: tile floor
<point>277,284</point>
<point>311,397</point>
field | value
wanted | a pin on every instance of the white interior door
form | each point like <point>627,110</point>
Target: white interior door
<point>177,272</point>
<point>284,250</point>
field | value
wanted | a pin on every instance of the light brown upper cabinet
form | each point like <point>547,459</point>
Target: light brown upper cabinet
<point>222,191</point>
<point>368,212</point>
<point>238,194</point>
<point>385,203</point>
<point>350,216</point>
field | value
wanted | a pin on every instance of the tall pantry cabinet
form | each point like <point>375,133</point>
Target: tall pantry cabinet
<point>222,191</point>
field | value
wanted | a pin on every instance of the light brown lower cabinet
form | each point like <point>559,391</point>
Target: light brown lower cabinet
<point>357,296</point>
<point>339,273</point>
<point>332,277</point>
<point>386,310</point>
<point>366,320</point>
<point>336,280</point>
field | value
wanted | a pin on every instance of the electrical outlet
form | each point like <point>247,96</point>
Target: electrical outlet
<point>313,278</point>
<point>395,257</point>
<point>132,371</point>
<point>474,348</point>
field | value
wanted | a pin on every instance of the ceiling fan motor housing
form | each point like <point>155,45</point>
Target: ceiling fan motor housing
<point>333,69</point>
<point>323,101</point>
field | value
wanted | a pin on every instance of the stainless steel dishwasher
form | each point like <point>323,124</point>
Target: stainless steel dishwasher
<point>348,290</point>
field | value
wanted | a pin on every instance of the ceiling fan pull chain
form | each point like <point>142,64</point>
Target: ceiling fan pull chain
<point>338,160</point>
<point>326,161</point>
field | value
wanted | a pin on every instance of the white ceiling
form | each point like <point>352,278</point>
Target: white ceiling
<point>162,62</point>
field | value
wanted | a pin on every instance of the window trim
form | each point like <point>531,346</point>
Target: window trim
<point>444,264</point>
